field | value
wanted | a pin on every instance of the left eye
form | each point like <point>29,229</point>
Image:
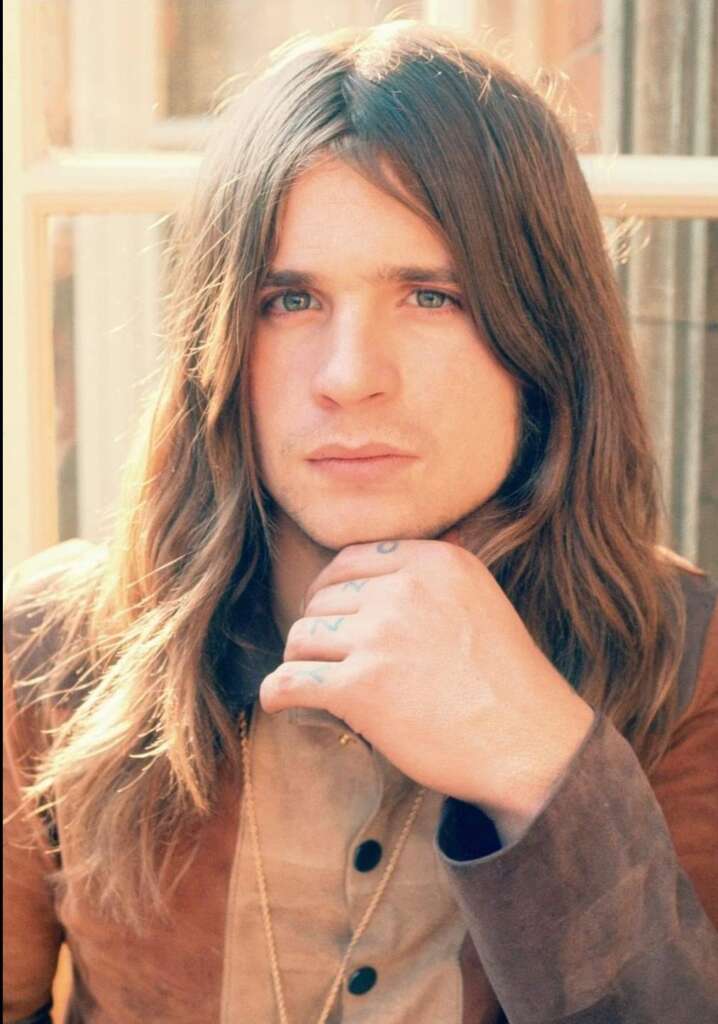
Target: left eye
<point>437,300</point>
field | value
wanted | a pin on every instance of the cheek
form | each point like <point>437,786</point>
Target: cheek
<point>500,404</point>
<point>261,405</point>
<point>478,404</point>
<point>268,393</point>
<point>499,420</point>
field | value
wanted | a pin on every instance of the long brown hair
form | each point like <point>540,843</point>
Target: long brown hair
<point>571,535</point>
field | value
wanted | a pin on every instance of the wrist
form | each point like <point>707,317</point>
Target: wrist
<point>527,783</point>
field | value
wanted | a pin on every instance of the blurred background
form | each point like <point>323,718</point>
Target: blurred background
<point>106,109</point>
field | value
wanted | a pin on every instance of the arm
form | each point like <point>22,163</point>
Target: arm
<point>32,934</point>
<point>601,910</point>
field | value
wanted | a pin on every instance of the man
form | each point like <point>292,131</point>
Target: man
<point>336,726</point>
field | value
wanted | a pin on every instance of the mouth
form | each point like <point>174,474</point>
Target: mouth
<point>353,452</point>
<point>365,468</point>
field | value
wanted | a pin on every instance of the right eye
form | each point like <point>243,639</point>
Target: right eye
<point>291,303</point>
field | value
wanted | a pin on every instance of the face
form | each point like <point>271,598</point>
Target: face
<point>362,338</point>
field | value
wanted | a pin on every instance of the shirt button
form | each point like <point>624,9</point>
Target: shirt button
<point>362,980</point>
<point>367,855</point>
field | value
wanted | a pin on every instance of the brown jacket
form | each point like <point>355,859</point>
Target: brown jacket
<point>600,912</point>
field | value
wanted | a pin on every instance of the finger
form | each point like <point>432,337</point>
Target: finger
<point>338,598</point>
<point>320,638</point>
<point>302,684</point>
<point>360,561</point>
<point>377,558</point>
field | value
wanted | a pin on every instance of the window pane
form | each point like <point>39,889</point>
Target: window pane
<point>666,272</point>
<point>108,283</point>
<point>52,55</point>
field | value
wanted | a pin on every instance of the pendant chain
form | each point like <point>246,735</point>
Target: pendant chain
<point>262,885</point>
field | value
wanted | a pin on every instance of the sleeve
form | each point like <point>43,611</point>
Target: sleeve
<point>601,911</point>
<point>32,934</point>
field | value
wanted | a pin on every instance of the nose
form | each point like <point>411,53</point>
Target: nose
<point>356,363</point>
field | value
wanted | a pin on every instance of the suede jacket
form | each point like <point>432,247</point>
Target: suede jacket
<point>603,911</point>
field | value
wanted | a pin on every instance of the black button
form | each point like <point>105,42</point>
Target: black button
<point>362,980</point>
<point>367,855</point>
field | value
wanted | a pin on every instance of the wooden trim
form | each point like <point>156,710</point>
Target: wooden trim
<point>653,186</point>
<point>73,183</point>
<point>28,22</point>
<point>622,186</point>
<point>28,380</point>
<point>181,133</point>
<point>116,258</point>
<point>40,382</point>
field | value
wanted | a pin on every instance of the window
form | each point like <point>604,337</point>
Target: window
<point>106,110</point>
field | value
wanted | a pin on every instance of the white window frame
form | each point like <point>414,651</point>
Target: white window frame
<point>39,183</point>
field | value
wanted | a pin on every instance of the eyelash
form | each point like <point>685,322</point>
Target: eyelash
<point>265,308</point>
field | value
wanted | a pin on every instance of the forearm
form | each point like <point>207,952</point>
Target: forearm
<point>588,916</point>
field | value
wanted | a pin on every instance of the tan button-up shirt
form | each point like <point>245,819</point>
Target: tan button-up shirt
<point>317,799</point>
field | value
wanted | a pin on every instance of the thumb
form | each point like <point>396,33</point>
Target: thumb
<point>298,684</point>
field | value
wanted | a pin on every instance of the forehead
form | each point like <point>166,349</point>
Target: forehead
<point>332,211</point>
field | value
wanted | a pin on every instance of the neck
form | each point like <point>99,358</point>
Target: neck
<point>297,561</point>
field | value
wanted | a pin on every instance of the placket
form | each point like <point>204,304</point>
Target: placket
<point>414,938</point>
<point>320,792</point>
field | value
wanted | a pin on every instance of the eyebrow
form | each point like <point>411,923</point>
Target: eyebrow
<point>287,278</point>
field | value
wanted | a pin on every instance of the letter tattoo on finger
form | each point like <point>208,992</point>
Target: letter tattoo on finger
<point>317,676</point>
<point>332,626</point>
<point>355,584</point>
<point>385,547</point>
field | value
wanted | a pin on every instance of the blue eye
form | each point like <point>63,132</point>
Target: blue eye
<point>437,295</point>
<point>291,307</point>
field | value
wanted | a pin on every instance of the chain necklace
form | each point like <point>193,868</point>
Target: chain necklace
<point>262,885</point>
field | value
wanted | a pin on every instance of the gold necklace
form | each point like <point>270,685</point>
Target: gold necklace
<point>262,885</point>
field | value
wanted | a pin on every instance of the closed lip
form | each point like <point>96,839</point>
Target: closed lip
<point>364,451</point>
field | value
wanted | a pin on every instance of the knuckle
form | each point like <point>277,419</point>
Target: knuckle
<point>412,587</point>
<point>369,671</point>
<point>321,602</point>
<point>406,589</point>
<point>453,555</point>
<point>347,556</point>
<point>283,677</point>
<point>384,631</point>
<point>296,638</point>
<point>274,687</point>
<point>351,550</point>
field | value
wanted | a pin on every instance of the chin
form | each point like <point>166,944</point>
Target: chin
<point>346,530</point>
<point>336,538</point>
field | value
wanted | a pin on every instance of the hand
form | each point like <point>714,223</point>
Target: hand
<point>415,646</point>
